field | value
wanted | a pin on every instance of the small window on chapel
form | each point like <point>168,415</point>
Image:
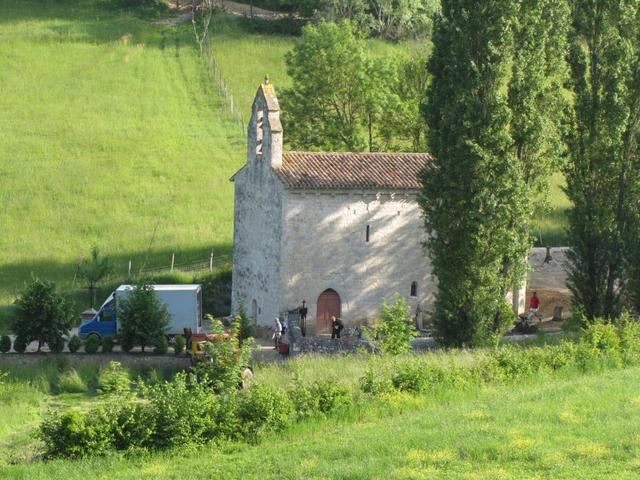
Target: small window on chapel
<point>368,233</point>
<point>414,289</point>
<point>259,131</point>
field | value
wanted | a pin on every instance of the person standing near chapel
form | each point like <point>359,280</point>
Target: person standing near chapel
<point>336,327</point>
<point>277,332</point>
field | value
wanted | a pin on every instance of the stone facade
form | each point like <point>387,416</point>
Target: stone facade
<point>293,241</point>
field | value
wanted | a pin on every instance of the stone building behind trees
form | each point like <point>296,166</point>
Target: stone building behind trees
<point>341,231</point>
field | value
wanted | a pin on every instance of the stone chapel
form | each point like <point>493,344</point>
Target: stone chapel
<point>340,231</point>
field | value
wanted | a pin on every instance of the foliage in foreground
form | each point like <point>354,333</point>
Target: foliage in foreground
<point>187,412</point>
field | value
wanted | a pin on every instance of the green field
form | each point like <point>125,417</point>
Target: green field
<point>112,133</point>
<point>565,427</point>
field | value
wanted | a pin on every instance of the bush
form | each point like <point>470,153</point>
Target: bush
<point>396,330</point>
<point>376,380</point>
<point>332,395</point>
<point>75,434</point>
<point>71,382</point>
<point>56,345</point>
<point>223,368</point>
<point>410,377</point>
<point>113,379</point>
<point>246,328</point>
<point>161,345</point>
<point>42,314</point>
<point>629,333</point>
<point>179,343</point>
<point>107,344</point>
<point>74,343</point>
<point>183,413</point>
<point>92,344</point>
<point>126,344</point>
<point>263,408</point>
<point>5,343</point>
<point>20,344</point>
<point>142,316</point>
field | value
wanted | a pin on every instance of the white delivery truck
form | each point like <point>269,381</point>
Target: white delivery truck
<point>184,304</point>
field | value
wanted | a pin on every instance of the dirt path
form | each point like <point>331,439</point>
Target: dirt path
<point>227,6</point>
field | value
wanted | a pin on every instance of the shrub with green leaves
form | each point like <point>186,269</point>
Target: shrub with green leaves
<point>263,408</point>
<point>71,382</point>
<point>107,344</point>
<point>75,434</point>
<point>332,395</point>
<point>179,343</point>
<point>142,316</point>
<point>160,345</point>
<point>113,379</point>
<point>56,344</point>
<point>74,344</point>
<point>375,381</point>
<point>246,328</point>
<point>226,360</point>
<point>92,344</point>
<point>396,330</point>
<point>42,314</point>
<point>5,343</point>
<point>20,344</point>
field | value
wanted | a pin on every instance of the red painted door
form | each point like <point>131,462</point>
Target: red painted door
<point>328,306</point>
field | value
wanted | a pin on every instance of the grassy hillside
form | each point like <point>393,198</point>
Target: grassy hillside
<point>558,428</point>
<point>110,134</point>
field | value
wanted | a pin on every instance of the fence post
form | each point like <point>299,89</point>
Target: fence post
<point>129,272</point>
<point>211,261</point>
<point>173,261</point>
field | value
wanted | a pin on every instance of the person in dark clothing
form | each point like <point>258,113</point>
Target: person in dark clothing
<point>336,327</point>
<point>303,318</point>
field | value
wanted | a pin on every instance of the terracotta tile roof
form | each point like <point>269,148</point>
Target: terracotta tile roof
<point>345,170</point>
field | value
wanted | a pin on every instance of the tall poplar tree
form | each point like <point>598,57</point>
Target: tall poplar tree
<point>493,110</point>
<point>602,171</point>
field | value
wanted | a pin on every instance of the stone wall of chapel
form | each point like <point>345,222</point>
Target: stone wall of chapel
<point>324,245</point>
<point>258,223</point>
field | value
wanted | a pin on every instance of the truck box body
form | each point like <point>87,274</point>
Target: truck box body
<point>184,304</point>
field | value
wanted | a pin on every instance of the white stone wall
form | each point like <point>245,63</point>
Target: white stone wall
<point>324,246</point>
<point>258,222</point>
<point>551,274</point>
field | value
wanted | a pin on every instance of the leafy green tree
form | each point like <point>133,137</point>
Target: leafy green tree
<point>338,91</point>
<point>397,19</point>
<point>474,197</point>
<point>142,316</point>
<point>5,344</point>
<point>94,270</point>
<point>603,165</point>
<point>42,314</point>
<point>403,127</point>
<point>396,330</point>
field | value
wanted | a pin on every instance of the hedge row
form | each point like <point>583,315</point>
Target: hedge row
<point>184,412</point>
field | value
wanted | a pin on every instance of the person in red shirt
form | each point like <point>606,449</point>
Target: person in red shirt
<point>534,303</point>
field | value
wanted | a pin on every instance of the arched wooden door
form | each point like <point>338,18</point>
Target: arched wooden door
<point>328,306</point>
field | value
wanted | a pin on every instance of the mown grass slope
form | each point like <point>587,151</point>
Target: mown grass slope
<point>110,134</point>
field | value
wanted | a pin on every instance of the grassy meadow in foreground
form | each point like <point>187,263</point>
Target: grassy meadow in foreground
<point>566,427</point>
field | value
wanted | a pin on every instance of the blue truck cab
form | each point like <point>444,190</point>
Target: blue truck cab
<point>104,323</point>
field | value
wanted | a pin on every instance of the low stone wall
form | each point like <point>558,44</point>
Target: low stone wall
<point>133,360</point>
